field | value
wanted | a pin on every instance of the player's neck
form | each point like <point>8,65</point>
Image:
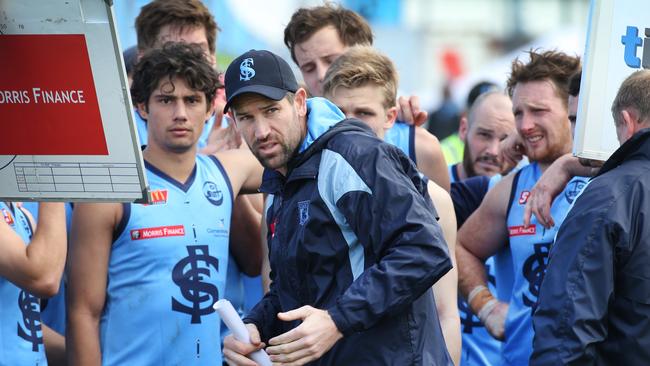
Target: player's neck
<point>177,165</point>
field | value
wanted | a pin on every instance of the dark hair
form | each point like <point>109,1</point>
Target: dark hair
<point>130,56</point>
<point>182,60</point>
<point>351,27</point>
<point>574,84</point>
<point>549,65</point>
<point>177,13</point>
<point>478,89</point>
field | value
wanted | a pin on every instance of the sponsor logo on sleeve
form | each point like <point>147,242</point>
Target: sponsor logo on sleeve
<point>9,219</point>
<point>158,197</point>
<point>212,193</point>
<point>523,198</point>
<point>157,232</point>
<point>522,230</point>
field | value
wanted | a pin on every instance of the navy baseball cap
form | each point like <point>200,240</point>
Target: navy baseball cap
<point>261,72</point>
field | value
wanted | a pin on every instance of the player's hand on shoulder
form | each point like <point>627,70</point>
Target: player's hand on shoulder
<point>511,152</point>
<point>408,111</point>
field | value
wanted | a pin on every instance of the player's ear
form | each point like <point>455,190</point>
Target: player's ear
<point>391,117</point>
<point>300,101</point>
<point>463,128</point>
<point>143,111</point>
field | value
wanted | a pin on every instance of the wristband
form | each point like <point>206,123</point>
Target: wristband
<point>475,291</point>
<point>487,309</point>
<point>478,298</point>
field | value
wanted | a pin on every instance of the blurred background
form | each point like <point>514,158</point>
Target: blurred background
<point>434,43</point>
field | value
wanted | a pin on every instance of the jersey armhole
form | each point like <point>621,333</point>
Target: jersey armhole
<point>29,222</point>
<point>226,177</point>
<point>126,215</point>
<point>412,145</point>
<point>513,190</point>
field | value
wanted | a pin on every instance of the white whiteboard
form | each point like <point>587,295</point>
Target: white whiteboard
<point>61,59</point>
<point>604,70</point>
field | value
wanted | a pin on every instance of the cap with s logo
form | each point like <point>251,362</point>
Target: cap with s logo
<point>260,72</point>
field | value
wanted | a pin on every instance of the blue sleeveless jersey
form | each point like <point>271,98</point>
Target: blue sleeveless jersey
<point>167,267</point>
<point>21,335</point>
<point>402,135</point>
<point>141,126</point>
<point>529,247</point>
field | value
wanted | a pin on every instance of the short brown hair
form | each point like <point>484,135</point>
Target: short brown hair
<point>177,13</point>
<point>359,66</point>
<point>558,67</point>
<point>181,60</point>
<point>634,93</point>
<point>351,27</point>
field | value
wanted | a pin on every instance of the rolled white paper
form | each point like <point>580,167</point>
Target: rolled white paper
<point>232,320</point>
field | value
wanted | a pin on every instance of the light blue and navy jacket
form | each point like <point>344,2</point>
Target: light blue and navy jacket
<point>529,247</point>
<point>167,267</point>
<point>21,335</point>
<point>351,229</point>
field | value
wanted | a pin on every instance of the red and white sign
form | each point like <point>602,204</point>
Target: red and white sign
<point>48,102</point>
<point>157,232</point>
<point>522,230</point>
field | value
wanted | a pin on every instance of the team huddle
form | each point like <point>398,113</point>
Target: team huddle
<point>372,248</point>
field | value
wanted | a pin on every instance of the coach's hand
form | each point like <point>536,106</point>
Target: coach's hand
<point>308,341</point>
<point>234,351</point>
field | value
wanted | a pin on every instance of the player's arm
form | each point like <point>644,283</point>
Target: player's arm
<point>430,159</point>
<point>246,245</point>
<point>551,183</point>
<point>482,235</point>
<point>243,169</point>
<point>245,174</point>
<point>54,346</point>
<point>445,290</point>
<point>91,238</point>
<point>36,267</point>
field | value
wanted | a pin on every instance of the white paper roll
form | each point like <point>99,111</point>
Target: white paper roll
<point>238,329</point>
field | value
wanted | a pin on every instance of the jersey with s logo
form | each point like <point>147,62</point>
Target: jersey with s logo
<point>167,267</point>
<point>529,246</point>
<point>21,335</point>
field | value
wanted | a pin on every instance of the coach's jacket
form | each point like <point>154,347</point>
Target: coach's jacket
<point>594,303</point>
<point>351,229</point>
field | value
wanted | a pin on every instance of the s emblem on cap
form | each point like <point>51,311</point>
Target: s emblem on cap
<point>246,71</point>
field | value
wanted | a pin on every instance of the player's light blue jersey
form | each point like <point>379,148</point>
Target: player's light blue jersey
<point>402,135</point>
<point>167,267</point>
<point>529,246</point>
<point>21,335</point>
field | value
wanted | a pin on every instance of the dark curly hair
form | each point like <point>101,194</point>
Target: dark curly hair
<point>177,13</point>
<point>351,27</point>
<point>182,60</point>
<point>558,67</point>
